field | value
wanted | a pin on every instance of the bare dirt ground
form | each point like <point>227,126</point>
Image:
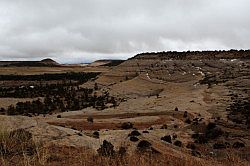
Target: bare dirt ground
<point>150,99</point>
<point>5,102</point>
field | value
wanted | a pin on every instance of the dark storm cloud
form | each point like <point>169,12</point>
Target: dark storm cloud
<point>84,30</point>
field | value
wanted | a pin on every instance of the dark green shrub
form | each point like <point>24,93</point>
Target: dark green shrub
<point>143,145</point>
<point>134,133</point>
<point>191,146</point>
<point>238,145</point>
<point>133,139</point>
<point>106,149</point>
<point>127,125</point>
<point>164,126</point>
<point>90,119</point>
<point>185,114</point>
<point>96,134</point>
<point>178,143</point>
<point>167,138</point>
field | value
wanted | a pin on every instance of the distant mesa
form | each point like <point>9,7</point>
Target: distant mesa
<point>43,63</point>
<point>169,55</point>
<point>195,55</point>
<point>49,61</point>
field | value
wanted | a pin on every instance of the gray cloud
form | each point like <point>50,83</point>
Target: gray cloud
<point>85,30</point>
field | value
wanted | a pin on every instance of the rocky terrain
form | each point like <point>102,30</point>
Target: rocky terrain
<point>187,108</point>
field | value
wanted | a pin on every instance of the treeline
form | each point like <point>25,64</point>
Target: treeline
<point>38,90</point>
<point>70,100</point>
<point>64,95</point>
<point>114,63</point>
<point>81,77</point>
<point>196,55</point>
<point>41,88</point>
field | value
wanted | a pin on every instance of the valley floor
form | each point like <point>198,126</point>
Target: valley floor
<point>154,108</point>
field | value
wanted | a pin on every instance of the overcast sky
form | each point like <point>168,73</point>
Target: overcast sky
<point>72,31</point>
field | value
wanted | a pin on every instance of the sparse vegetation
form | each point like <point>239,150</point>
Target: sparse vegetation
<point>164,126</point>
<point>96,134</point>
<point>178,143</point>
<point>167,138</point>
<point>127,125</point>
<point>185,114</point>
<point>240,111</point>
<point>64,95</point>
<point>196,153</point>
<point>106,149</point>
<point>133,138</point>
<point>188,121</point>
<point>90,119</point>
<point>213,91</point>
<point>191,146</point>
<point>143,145</point>
<point>238,145</point>
<point>134,133</point>
<point>16,142</point>
<point>211,132</point>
